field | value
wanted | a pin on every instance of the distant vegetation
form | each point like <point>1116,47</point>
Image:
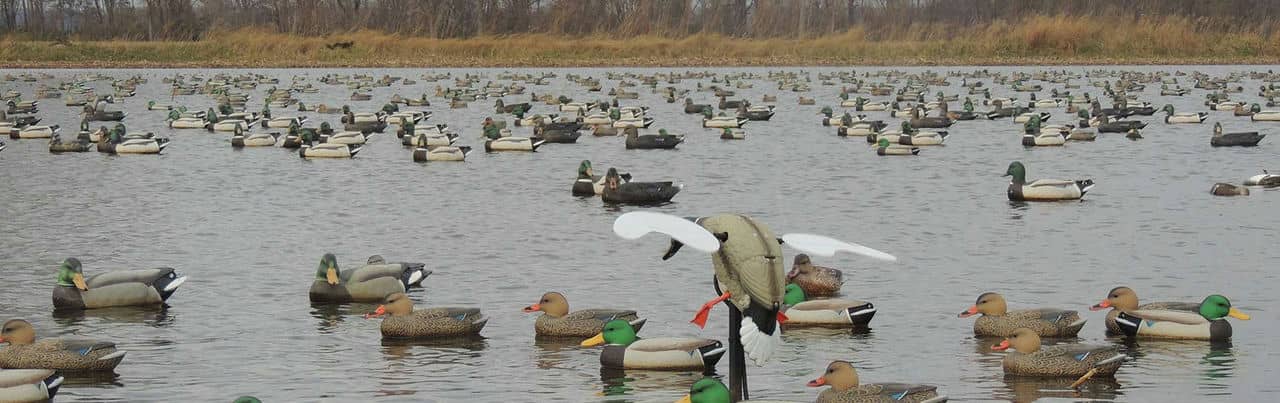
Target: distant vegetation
<point>634,32</point>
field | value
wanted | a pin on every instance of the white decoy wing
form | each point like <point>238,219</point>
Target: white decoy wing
<point>826,247</point>
<point>637,224</point>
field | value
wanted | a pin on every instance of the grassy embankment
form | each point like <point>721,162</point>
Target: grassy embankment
<point>1038,41</point>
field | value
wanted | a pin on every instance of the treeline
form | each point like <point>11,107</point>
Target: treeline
<point>184,20</point>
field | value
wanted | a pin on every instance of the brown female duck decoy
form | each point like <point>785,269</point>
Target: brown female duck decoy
<point>816,281</point>
<point>1063,360</point>
<point>110,289</point>
<point>24,352</point>
<point>405,322</point>
<point>1124,299</point>
<point>557,321</point>
<point>372,282</point>
<point>998,320</point>
<point>845,388</point>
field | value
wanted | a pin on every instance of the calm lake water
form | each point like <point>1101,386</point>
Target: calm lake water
<point>249,226</point>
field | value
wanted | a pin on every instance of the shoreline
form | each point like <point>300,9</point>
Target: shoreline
<point>368,49</point>
<point>638,63</point>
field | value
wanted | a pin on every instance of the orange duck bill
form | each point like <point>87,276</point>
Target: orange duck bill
<point>382,310</point>
<point>1004,345</point>
<point>1106,303</point>
<point>973,310</point>
<point>817,382</point>
<point>532,308</point>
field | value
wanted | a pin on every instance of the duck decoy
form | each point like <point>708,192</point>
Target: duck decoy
<point>826,313</point>
<point>998,320</point>
<point>404,322</point>
<point>626,351</point>
<point>748,272</point>
<point>1124,299</point>
<point>1029,358</point>
<point>557,321</point>
<point>845,387</point>
<point>1043,189</point>
<point>1238,139</point>
<point>1227,189</point>
<point>34,385</point>
<point>112,289</point>
<point>815,281</point>
<point>78,355</point>
<point>368,283</point>
<point>1265,179</point>
<point>618,190</point>
<point>1208,322</point>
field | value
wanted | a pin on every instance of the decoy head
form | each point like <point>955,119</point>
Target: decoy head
<point>551,303</point>
<point>794,295</point>
<point>328,269</point>
<point>840,375</point>
<point>990,303</point>
<point>1017,171</point>
<point>584,169</point>
<point>70,274</point>
<point>1022,340</point>
<point>17,332</point>
<point>1122,298</point>
<point>882,143</point>
<point>1216,307</point>
<point>396,304</point>
<point>616,331</point>
<point>706,390</point>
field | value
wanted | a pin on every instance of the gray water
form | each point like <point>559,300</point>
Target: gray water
<point>248,227</point>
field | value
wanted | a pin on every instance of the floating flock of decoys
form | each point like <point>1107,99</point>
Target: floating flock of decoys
<point>762,298</point>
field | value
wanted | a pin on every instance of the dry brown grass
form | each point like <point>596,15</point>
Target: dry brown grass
<point>1038,40</point>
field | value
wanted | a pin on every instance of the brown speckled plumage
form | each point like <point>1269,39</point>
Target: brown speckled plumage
<point>405,322</point>
<point>1065,360</point>
<point>998,320</point>
<point>24,352</point>
<point>557,321</point>
<point>816,281</point>
<point>882,392</point>
<point>845,388</point>
<point>584,323</point>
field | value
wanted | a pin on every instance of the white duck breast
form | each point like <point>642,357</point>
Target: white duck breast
<point>597,119</point>
<point>512,144</point>
<point>720,122</point>
<point>366,117</point>
<point>328,150</point>
<point>188,123</point>
<point>1043,139</point>
<point>827,313</point>
<point>1026,117</point>
<point>431,140</point>
<point>1266,116</point>
<point>140,146</point>
<point>37,132</point>
<point>441,153</point>
<point>573,107</point>
<point>28,385</point>
<point>284,122</point>
<point>923,138</point>
<point>860,129</point>
<point>347,138</point>
<point>1186,118</point>
<point>665,353</point>
<point>256,140</point>
<point>230,125</point>
<point>1052,189</point>
<point>633,122</point>
<point>411,116</point>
